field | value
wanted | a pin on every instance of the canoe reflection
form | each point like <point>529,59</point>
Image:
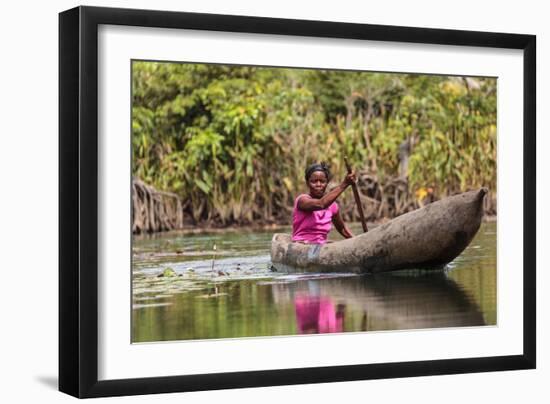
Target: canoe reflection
<point>381,302</point>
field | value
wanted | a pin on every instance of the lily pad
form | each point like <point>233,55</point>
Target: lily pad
<point>168,273</point>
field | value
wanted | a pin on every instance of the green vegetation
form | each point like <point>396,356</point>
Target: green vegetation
<point>233,141</point>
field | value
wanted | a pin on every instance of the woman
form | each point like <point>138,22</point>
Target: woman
<point>314,213</point>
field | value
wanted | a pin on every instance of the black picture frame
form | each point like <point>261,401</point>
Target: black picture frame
<point>78,201</point>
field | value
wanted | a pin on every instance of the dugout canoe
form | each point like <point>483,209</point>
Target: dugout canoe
<point>427,238</point>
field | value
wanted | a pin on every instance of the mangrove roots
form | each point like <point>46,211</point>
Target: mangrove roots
<point>154,210</point>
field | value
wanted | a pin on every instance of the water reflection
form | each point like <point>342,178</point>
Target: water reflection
<point>318,314</point>
<point>383,302</point>
<point>291,305</point>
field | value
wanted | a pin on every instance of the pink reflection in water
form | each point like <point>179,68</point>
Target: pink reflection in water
<point>317,314</point>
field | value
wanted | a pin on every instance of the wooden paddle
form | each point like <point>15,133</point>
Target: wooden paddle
<point>357,198</point>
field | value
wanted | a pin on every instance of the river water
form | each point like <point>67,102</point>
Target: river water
<point>219,285</point>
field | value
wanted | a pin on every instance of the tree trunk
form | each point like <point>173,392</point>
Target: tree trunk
<point>367,116</point>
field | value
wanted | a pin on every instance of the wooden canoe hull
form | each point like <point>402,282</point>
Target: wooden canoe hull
<point>427,238</point>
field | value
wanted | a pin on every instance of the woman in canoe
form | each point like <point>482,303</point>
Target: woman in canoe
<point>314,213</point>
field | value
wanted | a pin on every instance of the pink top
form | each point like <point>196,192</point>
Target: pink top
<point>312,227</point>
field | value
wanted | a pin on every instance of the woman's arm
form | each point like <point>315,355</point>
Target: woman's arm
<point>341,226</point>
<point>311,204</point>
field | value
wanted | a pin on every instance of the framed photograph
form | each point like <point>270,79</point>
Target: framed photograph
<point>250,201</point>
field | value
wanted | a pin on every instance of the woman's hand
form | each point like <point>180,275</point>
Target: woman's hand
<point>341,226</point>
<point>350,179</point>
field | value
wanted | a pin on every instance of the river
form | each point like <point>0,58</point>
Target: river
<point>220,285</point>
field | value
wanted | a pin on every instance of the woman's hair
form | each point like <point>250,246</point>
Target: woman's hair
<point>322,166</point>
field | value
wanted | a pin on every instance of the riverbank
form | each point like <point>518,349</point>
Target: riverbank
<point>158,211</point>
<point>206,229</point>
